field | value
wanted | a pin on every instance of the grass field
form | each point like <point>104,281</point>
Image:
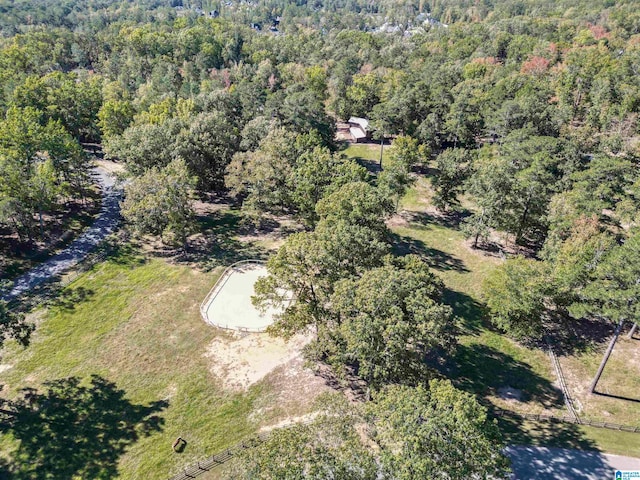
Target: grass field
<point>135,324</point>
<point>618,400</point>
<point>367,153</point>
<point>487,361</point>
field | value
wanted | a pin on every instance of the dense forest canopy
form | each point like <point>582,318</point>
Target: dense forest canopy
<point>529,108</point>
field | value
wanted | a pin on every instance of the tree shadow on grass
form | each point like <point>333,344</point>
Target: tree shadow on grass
<point>435,258</point>
<point>483,370</point>
<point>450,219</point>
<point>55,290</point>
<point>569,336</point>
<point>218,245</point>
<point>119,250</point>
<point>550,433</point>
<point>70,297</point>
<point>469,310</point>
<point>73,430</point>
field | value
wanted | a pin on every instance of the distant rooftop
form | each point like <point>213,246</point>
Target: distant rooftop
<point>363,123</point>
<point>357,133</point>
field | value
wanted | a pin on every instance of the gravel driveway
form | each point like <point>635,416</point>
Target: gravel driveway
<point>106,223</point>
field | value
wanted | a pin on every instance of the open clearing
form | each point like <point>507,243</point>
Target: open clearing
<point>487,362</point>
<point>618,398</point>
<point>135,322</point>
<point>241,362</point>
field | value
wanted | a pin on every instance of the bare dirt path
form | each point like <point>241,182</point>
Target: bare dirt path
<point>106,223</point>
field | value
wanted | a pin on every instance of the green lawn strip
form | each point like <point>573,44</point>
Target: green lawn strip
<point>487,360</point>
<point>136,323</point>
<point>368,152</point>
<point>566,435</point>
<point>619,385</point>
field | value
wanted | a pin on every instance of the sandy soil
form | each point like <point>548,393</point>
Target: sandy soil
<point>244,360</point>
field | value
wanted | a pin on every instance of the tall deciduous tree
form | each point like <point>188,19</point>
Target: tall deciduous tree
<point>114,117</point>
<point>328,447</point>
<point>387,322</point>
<point>207,148</point>
<point>39,162</point>
<point>515,293</point>
<point>318,173</point>
<point>261,177</point>
<point>403,434</point>
<point>308,266</point>
<point>491,185</point>
<point>435,432</point>
<point>142,147</point>
<point>358,204</point>
<point>159,202</point>
<point>454,166</point>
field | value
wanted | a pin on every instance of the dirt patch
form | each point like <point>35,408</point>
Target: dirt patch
<point>293,390</point>
<point>397,220</point>
<point>290,421</point>
<point>242,361</point>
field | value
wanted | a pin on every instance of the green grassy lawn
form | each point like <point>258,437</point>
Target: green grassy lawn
<point>618,400</point>
<point>366,152</point>
<point>487,361</point>
<point>135,323</point>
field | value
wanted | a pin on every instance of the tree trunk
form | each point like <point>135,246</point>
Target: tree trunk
<point>633,330</point>
<point>523,219</point>
<point>381,150</point>
<point>607,354</point>
<point>41,225</point>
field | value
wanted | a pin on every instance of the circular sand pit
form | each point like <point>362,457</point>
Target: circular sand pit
<point>228,304</point>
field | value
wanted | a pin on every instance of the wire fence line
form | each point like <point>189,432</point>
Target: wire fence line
<point>203,466</point>
<point>568,401</point>
<point>198,468</point>
<point>543,417</point>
